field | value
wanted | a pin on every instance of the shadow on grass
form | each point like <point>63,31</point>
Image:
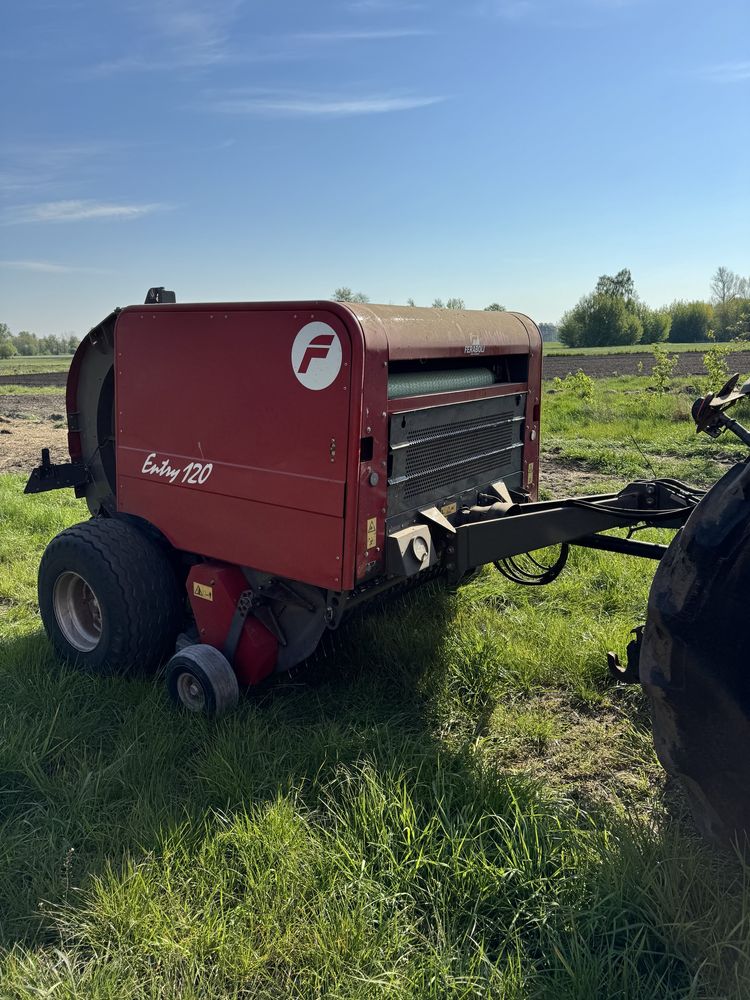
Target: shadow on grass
<point>97,770</point>
<point>358,758</point>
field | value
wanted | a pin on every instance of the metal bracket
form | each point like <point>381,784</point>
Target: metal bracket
<point>56,477</point>
<point>232,641</point>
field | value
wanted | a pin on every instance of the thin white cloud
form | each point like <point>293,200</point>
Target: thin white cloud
<point>36,166</point>
<point>48,267</point>
<point>384,6</point>
<point>373,35</point>
<point>78,211</point>
<point>261,49</point>
<point>731,72</point>
<point>175,34</point>
<point>517,10</point>
<point>511,10</point>
<point>315,106</point>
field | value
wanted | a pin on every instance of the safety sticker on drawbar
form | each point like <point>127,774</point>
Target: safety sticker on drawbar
<point>316,356</point>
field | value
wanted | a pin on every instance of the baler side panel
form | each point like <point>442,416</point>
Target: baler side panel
<point>533,409</point>
<point>223,447</point>
<point>506,446</point>
<point>368,451</point>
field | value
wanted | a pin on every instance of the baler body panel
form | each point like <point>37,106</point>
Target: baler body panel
<point>219,444</point>
<point>226,441</point>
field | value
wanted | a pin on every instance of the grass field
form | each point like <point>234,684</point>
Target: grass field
<point>454,802</point>
<point>10,389</point>
<point>555,347</point>
<point>34,365</point>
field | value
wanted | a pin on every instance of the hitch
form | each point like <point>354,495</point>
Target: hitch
<point>708,411</point>
<point>631,673</point>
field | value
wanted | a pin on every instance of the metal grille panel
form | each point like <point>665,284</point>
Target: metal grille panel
<point>441,451</point>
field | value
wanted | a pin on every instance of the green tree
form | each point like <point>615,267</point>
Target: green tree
<point>455,304</point>
<point>691,322</point>
<point>728,292</point>
<point>619,286</point>
<point>656,325</point>
<point>494,307</point>
<point>600,320</point>
<point>727,286</point>
<point>438,304</point>
<point>345,294</point>
<point>26,343</point>
<point>549,331</point>
<point>7,347</point>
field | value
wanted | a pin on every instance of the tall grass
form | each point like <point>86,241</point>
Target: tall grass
<point>452,801</point>
<point>626,429</point>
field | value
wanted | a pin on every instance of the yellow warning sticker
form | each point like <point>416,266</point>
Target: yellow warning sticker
<point>450,508</point>
<point>372,532</point>
<point>203,591</point>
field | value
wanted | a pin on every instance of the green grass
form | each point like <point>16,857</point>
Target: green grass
<point>559,349</point>
<point>626,430</point>
<point>9,389</point>
<point>453,802</point>
<point>35,365</point>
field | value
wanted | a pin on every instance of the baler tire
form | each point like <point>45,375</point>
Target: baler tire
<point>693,662</point>
<point>201,680</point>
<point>127,580</point>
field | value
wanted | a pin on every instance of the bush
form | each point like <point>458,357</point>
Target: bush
<point>600,320</point>
<point>656,325</point>
<point>691,322</point>
<point>663,370</point>
<point>715,362</point>
<point>579,383</point>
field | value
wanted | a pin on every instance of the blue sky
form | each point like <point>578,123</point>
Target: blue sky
<point>496,150</point>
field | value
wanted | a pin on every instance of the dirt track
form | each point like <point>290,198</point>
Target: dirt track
<point>43,379</point>
<point>602,366</point>
<point>29,423</point>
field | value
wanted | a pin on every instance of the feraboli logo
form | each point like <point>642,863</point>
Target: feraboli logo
<point>316,356</point>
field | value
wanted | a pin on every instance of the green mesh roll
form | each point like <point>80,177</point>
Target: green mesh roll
<point>425,383</point>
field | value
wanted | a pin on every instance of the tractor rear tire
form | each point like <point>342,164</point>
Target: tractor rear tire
<point>109,598</point>
<point>693,663</point>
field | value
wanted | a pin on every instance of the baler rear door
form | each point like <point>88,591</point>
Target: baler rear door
<point>232,433</point>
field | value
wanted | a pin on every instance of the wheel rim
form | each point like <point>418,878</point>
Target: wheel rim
<point>77,612</point>
<point>190,692</point>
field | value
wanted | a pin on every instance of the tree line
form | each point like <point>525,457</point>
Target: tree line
<point>613,314</point>
<point>27,344</point>
<point>347,295</point>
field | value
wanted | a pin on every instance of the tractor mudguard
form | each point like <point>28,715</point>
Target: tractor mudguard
<point>693,662</point>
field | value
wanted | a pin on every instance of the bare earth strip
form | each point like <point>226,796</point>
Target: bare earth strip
<point>36,379</point>
<point>609,365</point>
<point>29,423</point>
